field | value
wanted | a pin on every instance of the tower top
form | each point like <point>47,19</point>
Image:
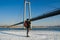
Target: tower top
<point>27,0</point>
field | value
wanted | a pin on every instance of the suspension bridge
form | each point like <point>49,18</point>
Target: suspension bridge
<point>39,17</point>
<point>50,14</point>
<point>34,35</point>
<point>46,15</point>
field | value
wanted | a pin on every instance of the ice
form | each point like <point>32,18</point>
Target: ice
<point>34,35</point>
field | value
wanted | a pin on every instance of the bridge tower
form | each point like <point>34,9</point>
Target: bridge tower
<point>27,3</point>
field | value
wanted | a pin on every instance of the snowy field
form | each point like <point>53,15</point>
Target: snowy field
<point>34,35</point>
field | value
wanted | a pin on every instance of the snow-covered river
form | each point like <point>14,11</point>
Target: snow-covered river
<point>34,35</point>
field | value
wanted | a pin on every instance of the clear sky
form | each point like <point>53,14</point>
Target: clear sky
<point>11,11</point>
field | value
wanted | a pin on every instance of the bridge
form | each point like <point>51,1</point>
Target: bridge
<point>39,17</point>
<point>19,34</point>
<point>50,14</point>
<point>46,15</point>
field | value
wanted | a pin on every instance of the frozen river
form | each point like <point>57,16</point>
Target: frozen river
<point>34,35</point>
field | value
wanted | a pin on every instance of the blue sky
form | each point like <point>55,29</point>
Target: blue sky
<point>11,11</point>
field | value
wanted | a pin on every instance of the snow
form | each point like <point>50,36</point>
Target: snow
<point>34,35</point>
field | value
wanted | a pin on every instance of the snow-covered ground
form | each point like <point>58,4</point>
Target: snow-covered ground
<point>34,35</point>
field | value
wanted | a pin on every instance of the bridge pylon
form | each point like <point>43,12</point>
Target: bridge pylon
<point>27,3</point>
